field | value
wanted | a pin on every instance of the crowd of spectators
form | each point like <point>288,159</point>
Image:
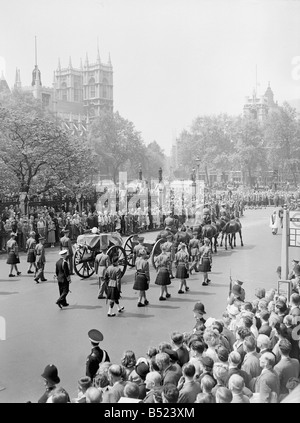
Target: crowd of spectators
<point>248,355</point>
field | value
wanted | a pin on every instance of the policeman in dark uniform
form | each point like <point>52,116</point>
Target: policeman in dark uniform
<point>97,355</point>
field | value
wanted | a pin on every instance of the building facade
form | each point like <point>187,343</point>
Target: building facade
<point>260,106</point>
<point>77,95</point>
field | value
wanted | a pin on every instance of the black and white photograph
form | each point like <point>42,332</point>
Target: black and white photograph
<point>149,203</point>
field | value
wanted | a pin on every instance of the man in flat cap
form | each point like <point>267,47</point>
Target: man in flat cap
<point>97,355</point>
<point>62,272</point>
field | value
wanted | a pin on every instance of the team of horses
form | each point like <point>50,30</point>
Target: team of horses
<point>224,228</point>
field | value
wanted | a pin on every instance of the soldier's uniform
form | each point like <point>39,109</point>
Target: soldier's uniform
<point>66,244</point>
<point>102,262</point>
<point>40,260</point>
<point>170,252</point>
<point>97,355</point>
<point>137,248</point>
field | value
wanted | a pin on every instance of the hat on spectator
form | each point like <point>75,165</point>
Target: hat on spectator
<point>233,310</point>
<point>295,261</point>
<point>142,369</point>
<point>32,233</point>
<point>94,230</point>
<point>85,382</point>
<point>238,282</point>
<point>199,308</point>
<point>95,336</point>
<point>13,234</point>
<point>51,374</point>
<point>207,361</point>
<point>140,239</point>
<point>63,252</point>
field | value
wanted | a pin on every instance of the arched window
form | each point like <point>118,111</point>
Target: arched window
<point>104,89</point>
<point>64,92</point>
<point>92,88</point>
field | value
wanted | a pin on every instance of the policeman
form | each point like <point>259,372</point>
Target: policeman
<point>97,355</point>
<point>66,244</point>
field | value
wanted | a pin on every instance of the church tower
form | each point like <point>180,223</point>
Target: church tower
<point>36,78</point>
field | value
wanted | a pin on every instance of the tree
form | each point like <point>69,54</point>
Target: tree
<point>154,158</point>
<point>282,134</point>
<point>36,153</point>
<point>116,142</point>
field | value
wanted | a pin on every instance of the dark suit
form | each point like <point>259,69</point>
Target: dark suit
<point>63,278</point>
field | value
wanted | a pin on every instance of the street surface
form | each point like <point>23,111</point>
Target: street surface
<point>39,333</point>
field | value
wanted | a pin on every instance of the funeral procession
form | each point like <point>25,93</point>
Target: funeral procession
<point>150,204</point>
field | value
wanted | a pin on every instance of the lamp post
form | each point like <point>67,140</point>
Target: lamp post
<point>160,174</point>
<point>193,177</point>
<point>140,172</point>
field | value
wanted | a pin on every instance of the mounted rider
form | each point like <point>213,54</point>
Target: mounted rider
<point>206,215</point>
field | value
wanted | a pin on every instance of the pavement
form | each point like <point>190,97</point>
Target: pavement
<point>38,333</point>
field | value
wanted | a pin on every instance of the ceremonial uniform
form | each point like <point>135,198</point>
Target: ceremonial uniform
<point>137,248</point>
<point>162,263</point>
<point>142,276</point>
<point>66,244</point>
<point>30,247</point>
<point>113,275</point>
<point>97,355</point>
<point>194,248</point>
<point>62,272</point>
<point>102,262</point>
<point>170,251</point>
<point>40,261</point>
<point>182,263</point>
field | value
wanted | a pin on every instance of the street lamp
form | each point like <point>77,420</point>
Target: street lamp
<point>160,174</point>
<point>140,172</point>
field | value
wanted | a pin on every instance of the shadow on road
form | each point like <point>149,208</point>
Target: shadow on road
<point>81,307</point>
<point>141,316</point>
<point>9,293</point>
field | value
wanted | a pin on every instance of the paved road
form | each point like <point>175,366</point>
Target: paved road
<point>39,333</point>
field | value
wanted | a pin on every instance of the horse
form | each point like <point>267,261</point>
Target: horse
<point>210,231</point>
<point>230,230</point>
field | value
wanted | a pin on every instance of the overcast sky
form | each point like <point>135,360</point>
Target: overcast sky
<point>172,59</point>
